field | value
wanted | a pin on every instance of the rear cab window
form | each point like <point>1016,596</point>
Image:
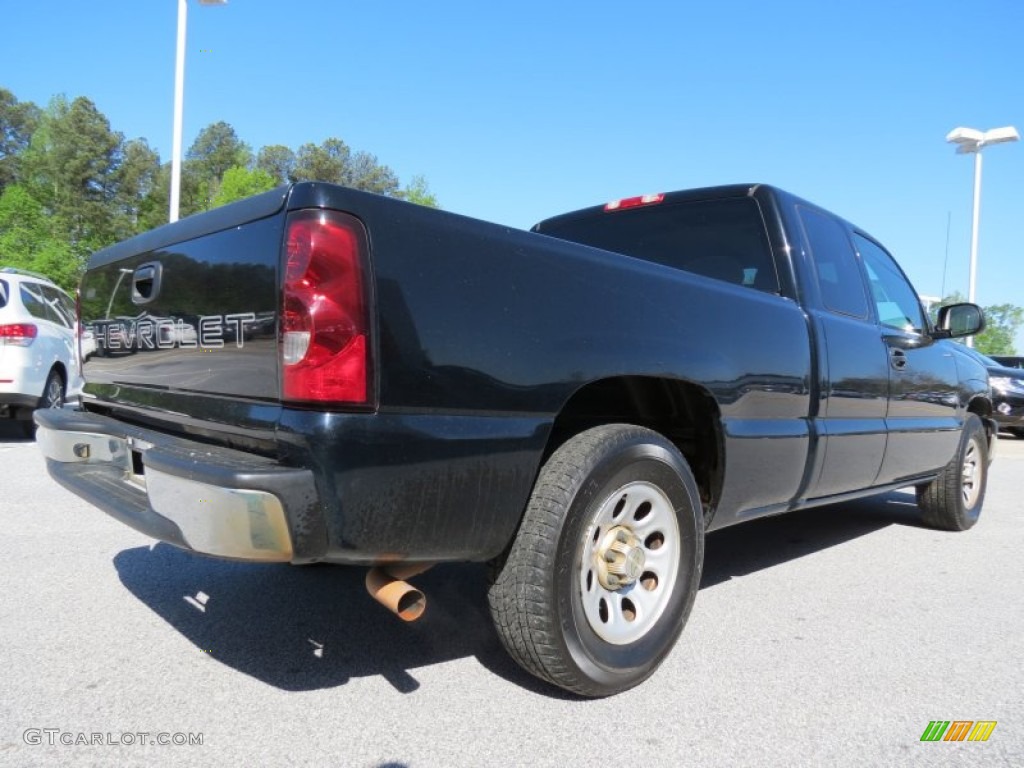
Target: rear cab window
<point>722,239</point>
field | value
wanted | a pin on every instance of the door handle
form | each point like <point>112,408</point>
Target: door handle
<point>146,282</point>
<point>898,358</point>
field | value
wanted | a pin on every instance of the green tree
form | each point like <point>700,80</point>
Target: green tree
<point>155,206</point>
<point>239,182</point>
<point>1001,324</point>
<point>28,239</point>
<point>72,185</point>
<point>366,173</point>
<point>216,149</point>
<point>18,121</point>
<point>135,179</point>
<point>334,162</point>
<point>278,161</point>
<point>322,162</point>
<point>69,167</point>
<point>418,191</point>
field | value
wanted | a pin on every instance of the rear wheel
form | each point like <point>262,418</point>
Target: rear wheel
<point>53,397</point>
<point>952,501</point>
<point>53,392</point>
<point>605,568</point>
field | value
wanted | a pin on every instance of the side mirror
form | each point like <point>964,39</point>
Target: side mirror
<point>956,320</point>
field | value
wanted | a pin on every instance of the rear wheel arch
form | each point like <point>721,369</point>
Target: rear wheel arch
<point>46,400</point>
<point>61,370</point>
<point>683,412</point>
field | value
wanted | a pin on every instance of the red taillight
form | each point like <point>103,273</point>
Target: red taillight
<point>18,334</point>
<point>634,202</point>
<point>325,326</point>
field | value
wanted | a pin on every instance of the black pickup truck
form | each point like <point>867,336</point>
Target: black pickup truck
<point>317,374</point>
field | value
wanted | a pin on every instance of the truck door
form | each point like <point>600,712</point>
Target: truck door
<point>852,363</point>
<point>923,419</point>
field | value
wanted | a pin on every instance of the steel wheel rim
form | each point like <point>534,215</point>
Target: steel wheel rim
<point>972,474</point>
<point>54,397</point>
<point>625,614</point>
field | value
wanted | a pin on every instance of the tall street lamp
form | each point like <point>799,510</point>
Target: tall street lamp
<point>179,98</point>
<point>971,141</point>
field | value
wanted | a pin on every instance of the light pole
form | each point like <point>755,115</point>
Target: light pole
<point>179,98</point>
<point>971,141</point>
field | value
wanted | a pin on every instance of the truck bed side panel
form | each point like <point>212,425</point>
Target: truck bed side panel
<point>479,319</point>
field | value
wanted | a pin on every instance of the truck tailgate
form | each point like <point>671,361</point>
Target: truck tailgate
<point>190,307</point>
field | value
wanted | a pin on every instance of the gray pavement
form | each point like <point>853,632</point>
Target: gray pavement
<point>824,638</point>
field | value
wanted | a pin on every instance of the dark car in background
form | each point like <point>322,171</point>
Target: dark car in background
<point>1007,391</point>
<point>1009,361</point>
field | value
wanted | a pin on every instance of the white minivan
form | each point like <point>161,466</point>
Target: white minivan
<point>38,356</point>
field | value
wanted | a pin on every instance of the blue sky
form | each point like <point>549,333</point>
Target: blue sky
<point>517,111</point>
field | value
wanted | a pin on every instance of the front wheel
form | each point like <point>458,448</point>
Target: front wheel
<point>604,570</point>
<point>952,501</point>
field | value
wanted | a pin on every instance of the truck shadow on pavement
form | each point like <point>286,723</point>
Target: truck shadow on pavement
<point>750,547</point>
<point>314,627</point>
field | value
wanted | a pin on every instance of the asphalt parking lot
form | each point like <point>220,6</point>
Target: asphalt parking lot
<point>826,637</point>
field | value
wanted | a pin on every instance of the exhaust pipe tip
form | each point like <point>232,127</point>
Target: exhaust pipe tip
<point>398,596</point>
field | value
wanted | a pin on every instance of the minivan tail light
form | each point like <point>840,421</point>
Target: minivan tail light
<point>18,334</point>
<point>324,341</point>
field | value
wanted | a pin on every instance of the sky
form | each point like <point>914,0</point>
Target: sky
<point>518,111</point>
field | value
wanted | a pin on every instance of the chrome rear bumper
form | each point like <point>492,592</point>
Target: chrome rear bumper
<point>208,499</point>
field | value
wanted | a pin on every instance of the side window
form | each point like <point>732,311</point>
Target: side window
<point>839,277</point>
<point>895,299</point>
<point>33,301</point>
<point>58,306</point>
<point>5,291</point>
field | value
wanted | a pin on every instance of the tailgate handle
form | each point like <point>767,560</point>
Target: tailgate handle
<point>146,282</point>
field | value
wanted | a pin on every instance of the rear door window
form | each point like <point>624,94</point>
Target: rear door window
<point>835,263</point>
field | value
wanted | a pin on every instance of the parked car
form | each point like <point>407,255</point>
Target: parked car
<point>1009,361</point>
<point>1007,392</point>
<point>38,361</point>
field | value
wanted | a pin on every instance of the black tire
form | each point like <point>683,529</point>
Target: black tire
<point>548,594</point>
<point>53,391</point>
<point>952,501</point>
